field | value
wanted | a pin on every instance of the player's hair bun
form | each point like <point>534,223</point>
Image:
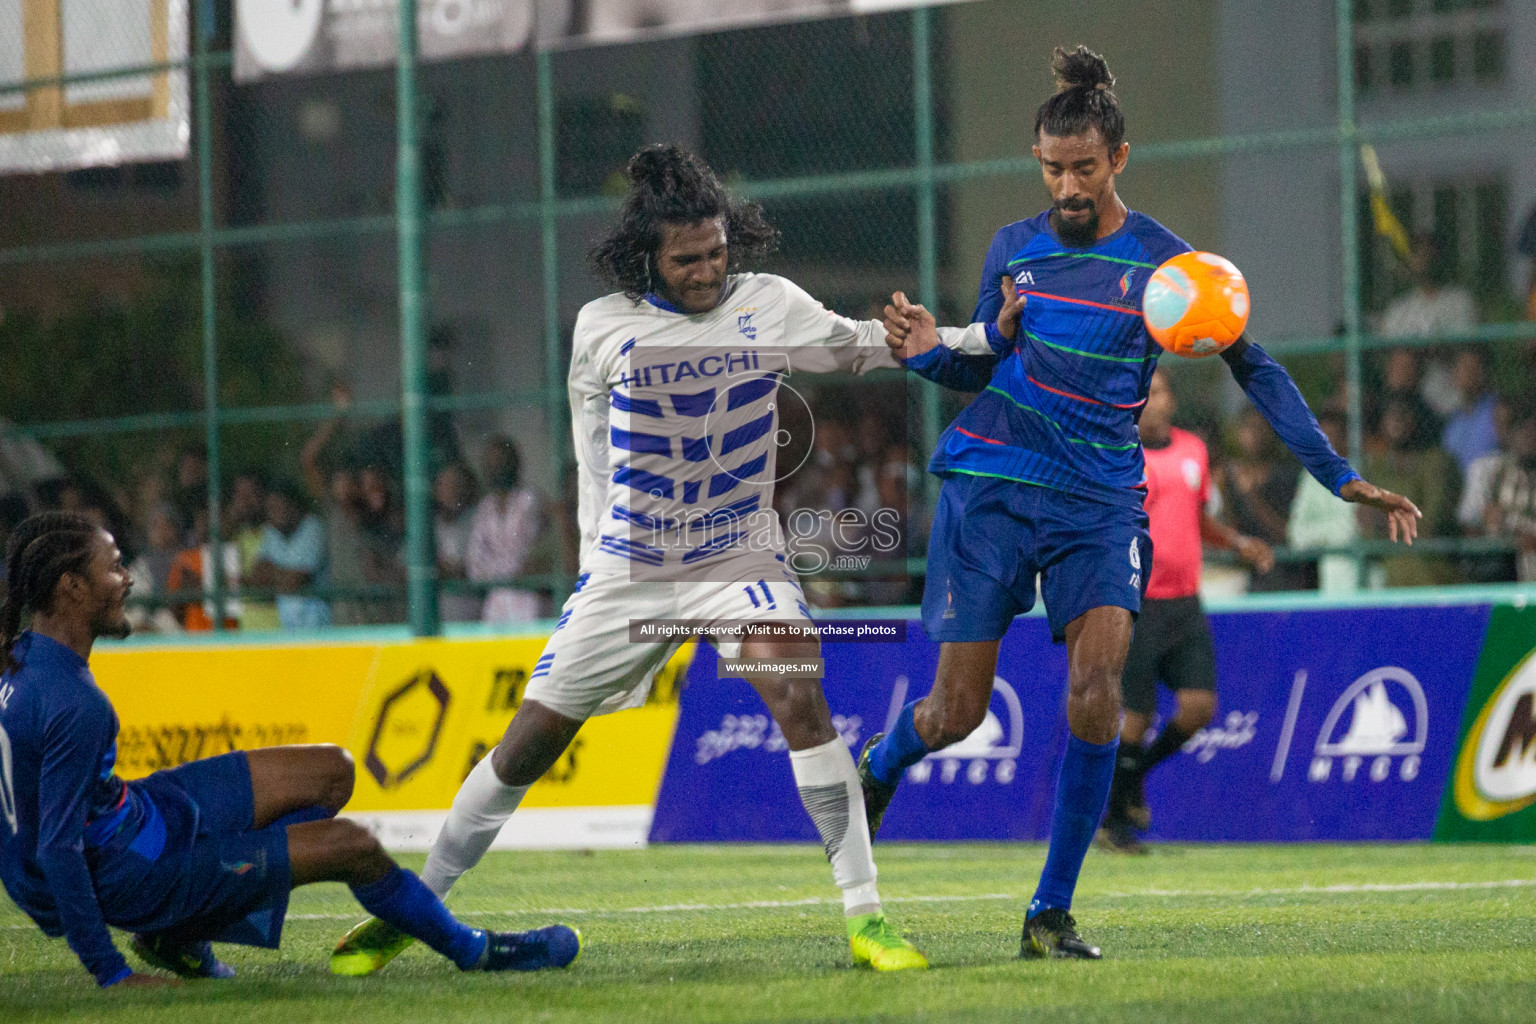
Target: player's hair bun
<point>659,167</point>
<point>1080,69</point>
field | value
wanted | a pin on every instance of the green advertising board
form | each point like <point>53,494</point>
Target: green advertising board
<point>1491,794</point>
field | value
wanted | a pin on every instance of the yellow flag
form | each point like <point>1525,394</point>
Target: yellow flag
<point>1387,224</point>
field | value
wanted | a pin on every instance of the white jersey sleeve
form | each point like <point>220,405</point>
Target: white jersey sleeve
<point>588,395</point>
<point>970,341</point>
<point>821,341</point>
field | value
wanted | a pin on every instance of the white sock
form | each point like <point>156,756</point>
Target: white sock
<point>482,806</point>
<point>829,789</point>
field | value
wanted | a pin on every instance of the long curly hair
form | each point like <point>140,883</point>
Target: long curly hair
<point>1084,98</point>
<point>669,185</point>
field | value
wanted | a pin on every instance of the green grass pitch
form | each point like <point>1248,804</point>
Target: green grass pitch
<point>754,933</point>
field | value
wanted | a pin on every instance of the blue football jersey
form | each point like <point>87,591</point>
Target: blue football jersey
<point>1059,402</point>
<point>1061,406</point>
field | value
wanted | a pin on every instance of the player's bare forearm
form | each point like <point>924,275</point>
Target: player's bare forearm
<point>1402,515</point>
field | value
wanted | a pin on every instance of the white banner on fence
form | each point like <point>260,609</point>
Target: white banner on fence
<point>308,36</point>
<point>91,123</point>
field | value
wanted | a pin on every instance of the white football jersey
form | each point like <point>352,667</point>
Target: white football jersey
<point>676,418</point>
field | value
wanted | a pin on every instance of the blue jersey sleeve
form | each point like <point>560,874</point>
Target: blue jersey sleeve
<point>953,370</point>
<point>963,371</point>
<point>72,742</point>
<point>1274,394</point>
<point>989,300</point>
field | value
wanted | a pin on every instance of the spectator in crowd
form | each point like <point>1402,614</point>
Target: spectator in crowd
<point>871,437</point>
<point>150,489</point>
<point>151,571</point>
<point>828,479</point>
<point>1478,482</point>
<point>1511,508</point>
<point>1257,489</point>
<point>74,496</point>
<point>244,511</point>
<point>506,526</point>
<point>189,573</point>
<point>1431,308</point>
<point>1430,475</point>
<point>1476,488</point>
<point>1321,520</point>
<point>341,510</point>
<point>895,530</point>
<point>453,502</point>
<point>382,532</point>
<point>1400,380</point>
<point>189,492</point>
<point>1471,432</point>
<point>825,485</point>
<point>291,558</point>
<point>244,517</point>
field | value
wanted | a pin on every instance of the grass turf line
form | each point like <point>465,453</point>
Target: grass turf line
<point>1215,934</point>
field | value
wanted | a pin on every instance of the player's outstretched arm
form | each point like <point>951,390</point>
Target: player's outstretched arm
<point>1274,394</point>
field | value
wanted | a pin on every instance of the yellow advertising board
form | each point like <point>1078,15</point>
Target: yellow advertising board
<point>416,715</point>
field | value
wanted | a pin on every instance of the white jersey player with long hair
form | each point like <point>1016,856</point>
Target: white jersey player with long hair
<point>674,386</point>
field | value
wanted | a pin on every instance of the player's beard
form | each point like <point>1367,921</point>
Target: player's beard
<point>112,621</point>
<point>1081,233</point>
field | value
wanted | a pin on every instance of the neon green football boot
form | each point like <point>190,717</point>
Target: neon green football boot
<point>876,943</point>
<point>367,948</point>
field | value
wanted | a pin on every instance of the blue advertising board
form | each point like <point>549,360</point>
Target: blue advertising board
<point>1332,725</point>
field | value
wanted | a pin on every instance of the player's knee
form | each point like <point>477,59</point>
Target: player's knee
<point>337,776</point>
<point>523,764</point>
<point>1095,685</point>
<point>356,847</point>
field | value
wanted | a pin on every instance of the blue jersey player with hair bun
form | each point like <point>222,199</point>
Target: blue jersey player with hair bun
<point>1043,473</point>
<point>202,852</point>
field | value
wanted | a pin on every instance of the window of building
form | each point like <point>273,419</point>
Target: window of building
<point>1408,46</point>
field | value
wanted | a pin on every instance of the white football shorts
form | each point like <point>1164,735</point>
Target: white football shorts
<point>592,665</point>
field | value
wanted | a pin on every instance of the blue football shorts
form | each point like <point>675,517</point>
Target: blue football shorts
<point>210,874</point>
<point>992,537</point>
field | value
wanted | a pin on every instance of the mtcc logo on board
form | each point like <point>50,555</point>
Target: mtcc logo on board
<point>1379,724</point>
<point>990,751</point>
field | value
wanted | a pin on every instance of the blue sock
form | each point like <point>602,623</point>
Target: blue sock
<point>312,813</point>
<point>400,899</point>
<point>1082,789</point>
<point>901,749</point>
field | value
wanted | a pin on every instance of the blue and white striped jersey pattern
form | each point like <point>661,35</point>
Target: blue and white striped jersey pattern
<point>675,418</point>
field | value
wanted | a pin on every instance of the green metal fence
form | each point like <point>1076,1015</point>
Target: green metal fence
<point>912,174</point>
